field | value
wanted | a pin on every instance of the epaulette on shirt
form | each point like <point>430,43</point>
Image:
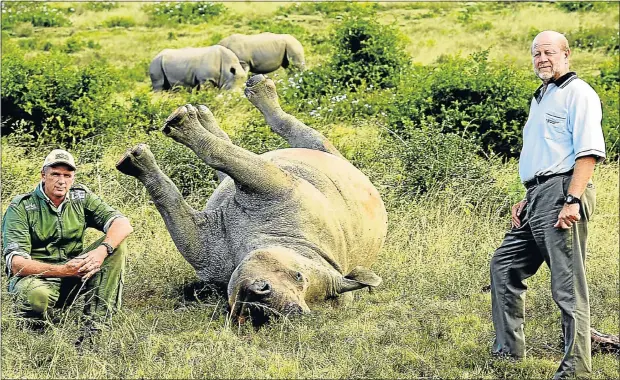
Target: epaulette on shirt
<point>19,198</point>
<point>78,192</point>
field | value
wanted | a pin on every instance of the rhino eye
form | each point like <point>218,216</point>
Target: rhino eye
<point>299,277</point>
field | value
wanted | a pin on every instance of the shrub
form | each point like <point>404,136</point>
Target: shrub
<point>593,38</point>
<point>182,13</point>
<point>74,44</point>
<point>99,6</point>
<point>437,161</point>
<point>330,9</point>
<point>48,98</point>
<point>584,6</point>
<point>119,21</point>
<point>368,52</point>
<point>36,13</point>
<point>466,96</point>
<point>278,26</point>
<point>366,55</point>
<point>24,29</point>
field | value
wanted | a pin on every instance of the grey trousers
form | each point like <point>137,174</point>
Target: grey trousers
<point>522,252</point>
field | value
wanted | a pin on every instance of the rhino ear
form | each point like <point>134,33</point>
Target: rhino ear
<point>358,278</point>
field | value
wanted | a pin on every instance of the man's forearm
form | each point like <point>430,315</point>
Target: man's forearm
<point>118,231</point>
<point>27,267</point>
<point>584,168</point>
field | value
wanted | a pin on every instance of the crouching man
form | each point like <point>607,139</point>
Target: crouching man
<point>43,246</point>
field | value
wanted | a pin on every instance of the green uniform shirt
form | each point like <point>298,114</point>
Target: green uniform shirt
<point>33,227</point>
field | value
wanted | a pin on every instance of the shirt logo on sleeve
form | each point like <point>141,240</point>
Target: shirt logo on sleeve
<point>80,195</point>
<point>31,207</point>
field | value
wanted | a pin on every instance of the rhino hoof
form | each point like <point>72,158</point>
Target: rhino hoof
<point>129,163</point>
<point>177,116</point>
<point>255,80</point>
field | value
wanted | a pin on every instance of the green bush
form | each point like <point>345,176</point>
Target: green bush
<point>49,99</point>
<point>119,21</point>
<point>277,26</point>
<point>330,9</point>
<point>367,52</point>
<point>593,38</point>
<point>365,55</point>
<point>99,6</point>
<point>585,6</point>
<point>438,161</point>
<point>182,13</point>
<point>469,96</point>
<point>36,13</point>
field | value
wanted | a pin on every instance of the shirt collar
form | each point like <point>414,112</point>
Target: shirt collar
<point>42,194</point>
<point>561,82</point>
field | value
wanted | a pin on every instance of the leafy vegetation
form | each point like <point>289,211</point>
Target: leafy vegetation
<point>36,13</point>
<point>182,13</point>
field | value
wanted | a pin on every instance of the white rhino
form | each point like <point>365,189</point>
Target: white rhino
<point>283,230</point>
<point>193,67</point>
<point>266,52</point>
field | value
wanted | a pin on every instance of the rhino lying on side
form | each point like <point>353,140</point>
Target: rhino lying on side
<point>283,230</point>
<point>266,52</point>
<point>195,67</point>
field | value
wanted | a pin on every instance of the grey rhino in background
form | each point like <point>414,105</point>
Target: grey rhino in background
<point>193,67</point>
<point>266,52</point>
<point>283,230</point>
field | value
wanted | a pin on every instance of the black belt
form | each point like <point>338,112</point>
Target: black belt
<point>544,178</point>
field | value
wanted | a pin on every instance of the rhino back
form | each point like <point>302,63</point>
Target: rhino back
<point>333,212</point>
<point>191,66</point>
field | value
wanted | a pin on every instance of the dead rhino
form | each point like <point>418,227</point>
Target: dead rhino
<point>283,230</point>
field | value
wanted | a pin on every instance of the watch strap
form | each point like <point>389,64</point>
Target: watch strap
<point>108,247</point>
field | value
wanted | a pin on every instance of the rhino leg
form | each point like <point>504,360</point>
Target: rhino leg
<point>261,92</point>
<point>179,217</point>
<point>246,168</point>
<point>208,122</point>
<point>156,72</point>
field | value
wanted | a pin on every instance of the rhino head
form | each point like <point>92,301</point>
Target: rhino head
<point>277,281</point>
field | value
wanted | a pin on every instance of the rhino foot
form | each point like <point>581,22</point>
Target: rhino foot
<point>183,125</point>
<point>136,161</point>
<point>261,92</point>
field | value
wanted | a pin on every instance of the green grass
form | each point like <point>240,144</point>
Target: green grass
<point>429,318</point>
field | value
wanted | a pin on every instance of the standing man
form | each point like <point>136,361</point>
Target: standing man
<point>562,141</point>
<point>42,242</point>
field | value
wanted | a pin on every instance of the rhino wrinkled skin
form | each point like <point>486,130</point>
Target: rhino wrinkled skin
<point>265,52</point>
<point>196,67</point>
<point>283,230</point>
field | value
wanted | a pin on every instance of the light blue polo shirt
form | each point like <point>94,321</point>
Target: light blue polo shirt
<point>564,124</point>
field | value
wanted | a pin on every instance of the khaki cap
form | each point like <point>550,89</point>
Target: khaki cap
<point>59,156</point>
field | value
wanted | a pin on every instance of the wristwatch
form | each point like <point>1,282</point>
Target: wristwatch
<point>571,199</point>
<point>108,247</point>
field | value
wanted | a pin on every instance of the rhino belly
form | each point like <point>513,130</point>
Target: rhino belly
<point>334,210</point>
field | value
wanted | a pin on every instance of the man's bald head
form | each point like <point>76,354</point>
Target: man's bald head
<point>550,37</point>
<point>550,54</point>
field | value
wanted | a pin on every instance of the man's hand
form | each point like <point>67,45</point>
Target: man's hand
<point>91,262</point>
<point>568,216</point>
<point>72,267</point>
<point>516,213</point>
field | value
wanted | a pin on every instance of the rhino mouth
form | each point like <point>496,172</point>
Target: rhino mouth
<point>261,314</point>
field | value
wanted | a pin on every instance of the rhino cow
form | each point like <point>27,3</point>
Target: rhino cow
<point>283,230</point>
<point>195,67</point>
<point>266,52</point>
